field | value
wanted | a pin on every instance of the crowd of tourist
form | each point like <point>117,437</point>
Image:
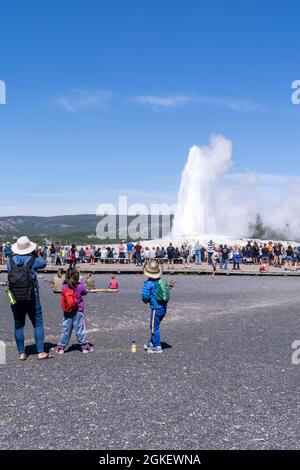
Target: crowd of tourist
<point>272,253</point>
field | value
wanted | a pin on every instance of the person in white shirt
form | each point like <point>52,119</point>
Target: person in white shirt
<point>147,254</point>
<point>152,253</point>
<point>103,253</point>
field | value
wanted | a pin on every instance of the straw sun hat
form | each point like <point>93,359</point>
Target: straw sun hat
<point>23,246</point>
<point>153,270</point>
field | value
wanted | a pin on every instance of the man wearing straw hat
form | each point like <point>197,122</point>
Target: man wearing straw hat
<point>24,254</point>
<point>158,306</point>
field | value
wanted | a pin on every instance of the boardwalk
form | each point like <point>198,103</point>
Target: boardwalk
<point>116,268</point>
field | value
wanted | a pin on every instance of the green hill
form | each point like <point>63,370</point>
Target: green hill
<point>79,228</point>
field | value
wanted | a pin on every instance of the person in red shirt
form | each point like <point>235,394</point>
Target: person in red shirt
<point>138,254</point>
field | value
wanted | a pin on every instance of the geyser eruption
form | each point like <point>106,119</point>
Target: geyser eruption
<point>196,204</point>
<point>215,203</point>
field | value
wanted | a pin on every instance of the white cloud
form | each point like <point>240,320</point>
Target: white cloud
<point>230,103</point>
<point>77,100</point>
<point>180,100</point>
<point>84,99</point>
<point>168,101</point>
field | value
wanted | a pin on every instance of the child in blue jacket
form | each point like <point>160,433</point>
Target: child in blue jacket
<point>153,272</point>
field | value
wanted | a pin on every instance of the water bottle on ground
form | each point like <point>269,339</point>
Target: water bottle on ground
<point>133,347</point>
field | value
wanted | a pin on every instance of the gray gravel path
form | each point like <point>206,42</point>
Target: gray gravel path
<point>224,381</point>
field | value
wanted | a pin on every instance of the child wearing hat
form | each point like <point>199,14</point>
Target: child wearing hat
<point>153,295</point>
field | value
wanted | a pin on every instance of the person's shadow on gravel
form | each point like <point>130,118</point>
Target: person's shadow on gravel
<point>165,345</point>
<point>30,349</point>
<point>75,347</point>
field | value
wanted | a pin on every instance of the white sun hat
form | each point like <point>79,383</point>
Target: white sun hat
<point>23,246</point>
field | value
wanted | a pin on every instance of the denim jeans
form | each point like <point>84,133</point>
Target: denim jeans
<point>155,319</point>
<point>53,257</point>
<point>138,259</point>
<point>209,257</point>
<point>198,256</point>
<point>34,311</point>
<point>73,321</point>
<point>224,263</point>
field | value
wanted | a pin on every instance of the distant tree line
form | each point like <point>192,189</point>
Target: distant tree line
<point>263,232</point>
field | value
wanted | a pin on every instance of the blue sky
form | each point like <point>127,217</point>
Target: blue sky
<point>106,98</point>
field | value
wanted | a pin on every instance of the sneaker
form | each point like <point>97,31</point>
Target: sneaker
<point>88,349</point>
<point>60,350</point>
<point>147,346</point>
<point>155,349</point>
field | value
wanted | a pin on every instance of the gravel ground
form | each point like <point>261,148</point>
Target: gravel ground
<point>224,381</point>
